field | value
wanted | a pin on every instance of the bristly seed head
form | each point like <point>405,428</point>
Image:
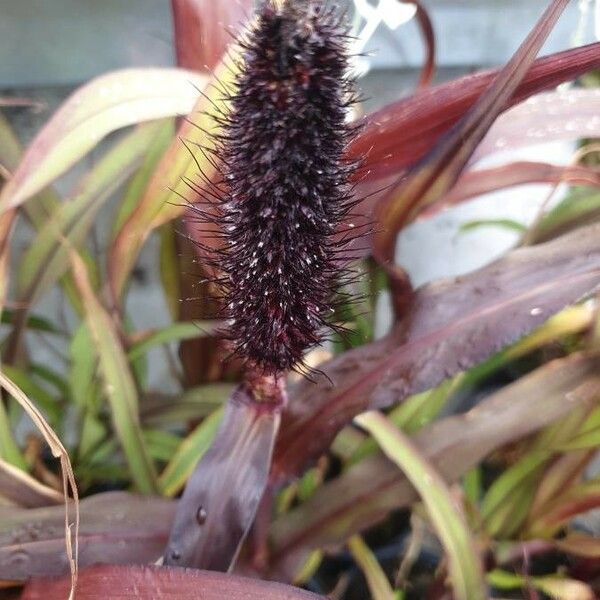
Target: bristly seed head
<point>285,182</point>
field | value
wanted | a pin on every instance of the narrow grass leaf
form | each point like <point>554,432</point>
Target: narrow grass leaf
<point>558,588</point>
<point>190,451</point>
<point>175,332</point>
<point>464,562</point>
<point>118,382</point>
<point>162,200</point>
<point>47,258</point>
<point>378,583</point>
<point>368,491</point>
<point>164,132</point>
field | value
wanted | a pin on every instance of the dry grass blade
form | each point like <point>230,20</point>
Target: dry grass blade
<point>58,451</point>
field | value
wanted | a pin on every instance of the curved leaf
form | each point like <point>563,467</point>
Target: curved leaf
<point>105,104</point>
<point>447,518</point>
<point>563,115</point>
<point>433,177</point>
<point>118,382</point>
<point>398,135</point>
<point>47,258</point>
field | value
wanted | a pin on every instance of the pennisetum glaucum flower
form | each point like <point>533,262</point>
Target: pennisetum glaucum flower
<point>281,204</point>
<point>283,194</point>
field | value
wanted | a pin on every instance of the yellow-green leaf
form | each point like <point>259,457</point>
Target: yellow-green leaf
<point>119,385</point>
<point>177,472</point>
<point>103,105</point>
<point>447,518</point>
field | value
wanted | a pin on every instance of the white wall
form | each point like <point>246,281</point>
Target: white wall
<point>62,42</point>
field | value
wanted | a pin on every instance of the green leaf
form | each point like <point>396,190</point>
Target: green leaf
<point>161,445</point>
<point>580,207</point>
<point>119,386</point>
<point>464,563</point>
<point>83,364</point>
<point>173,333</point>
<point>506,504</point>
<point>9,450</point>
<point>558,588</point>
<point>170,269</point>
<point>413,414</point>
<point>100,107</point>
<point>163,134</point>
<point>34,322</point>
<point>378,583</point>
<point>195,403</point>
<point>191,449</point>
<point>509,224</point>
<point>47,258</point>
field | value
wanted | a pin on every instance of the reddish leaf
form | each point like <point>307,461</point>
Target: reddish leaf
<point>116,528</point>
<point>477,183</point>
<point>204,28</point>
<point>368,491</point>
<point>221,497</point>
<point>154,583</point>
<point>28,102</point>
<point>428,35</point>
<point>22,489</point>
<point>438,171</point>
<point>482,181</point>
<point>576,500</point>
<point>452,325</point>
<point>563,115</point>
<point>401,133</point>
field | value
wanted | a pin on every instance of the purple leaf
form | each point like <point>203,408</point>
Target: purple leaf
<point>116,528</point>
<point>221,497</point>
<point>439,170</point>
<point>452,326</point>
<point>369,490</point>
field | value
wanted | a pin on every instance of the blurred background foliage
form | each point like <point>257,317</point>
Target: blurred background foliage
<point>484,466</point>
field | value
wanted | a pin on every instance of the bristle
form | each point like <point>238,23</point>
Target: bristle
<point>285,189</point>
